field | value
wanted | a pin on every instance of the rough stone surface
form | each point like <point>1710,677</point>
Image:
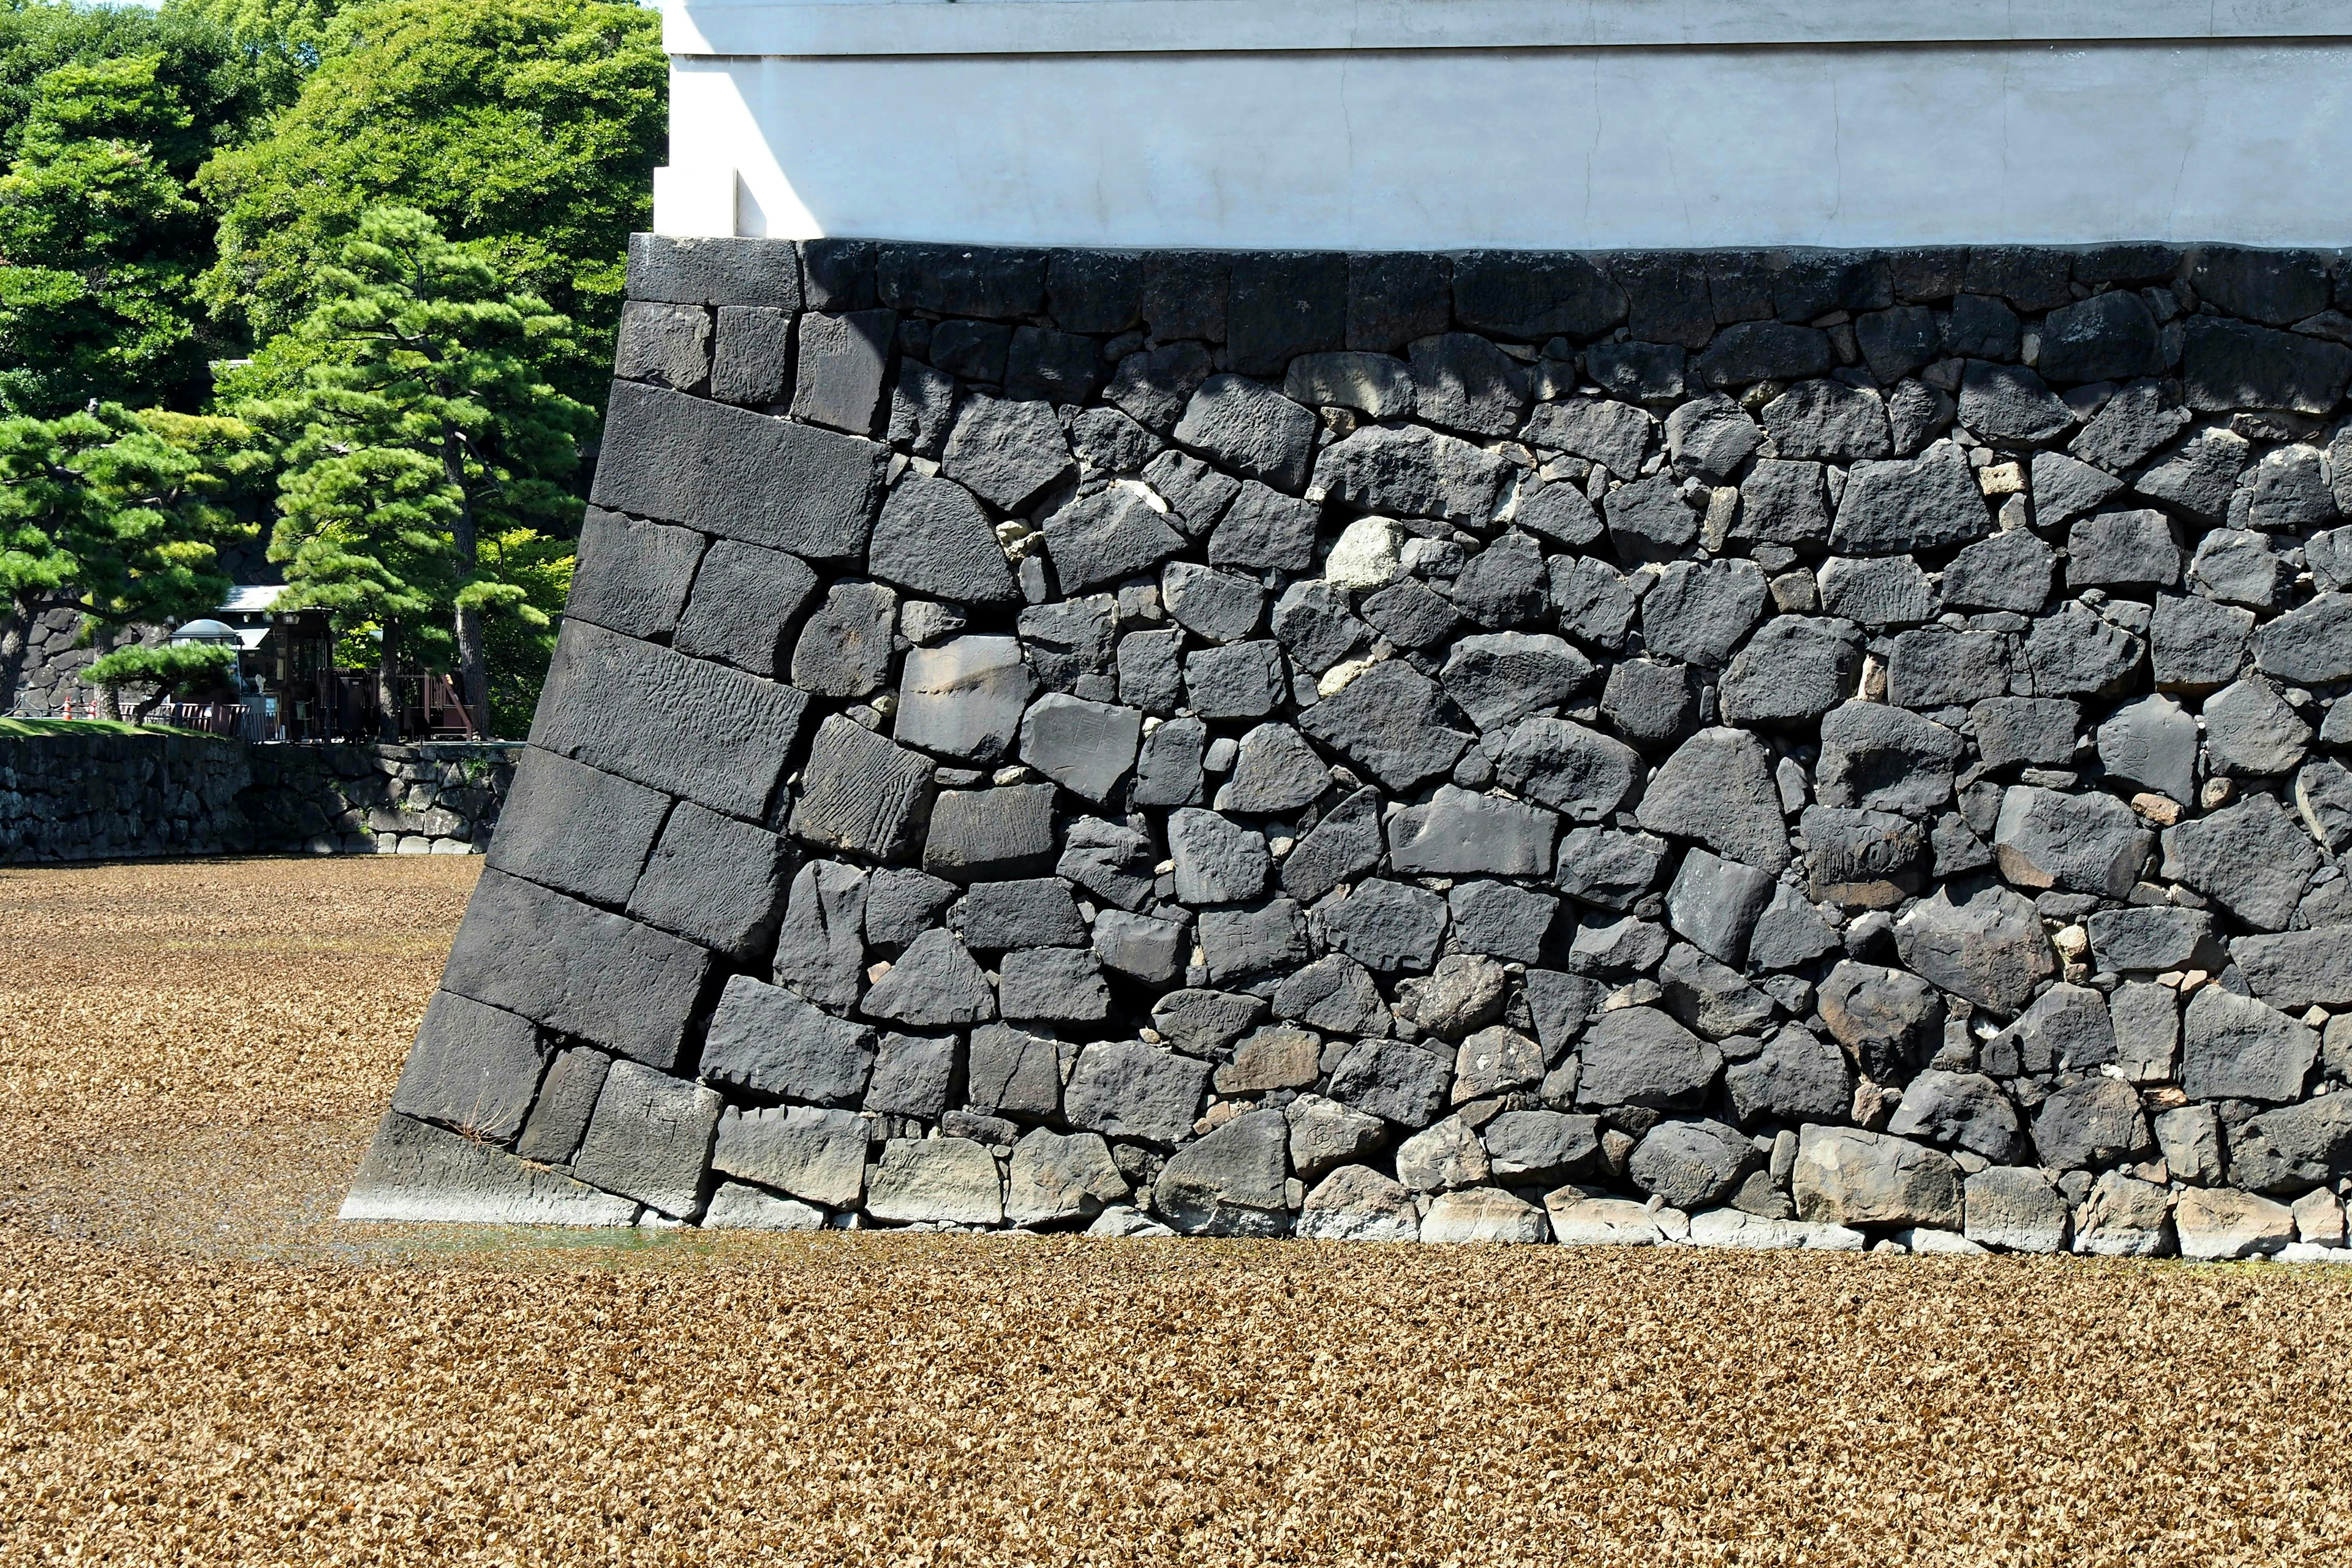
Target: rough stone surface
<point>1227,728</point>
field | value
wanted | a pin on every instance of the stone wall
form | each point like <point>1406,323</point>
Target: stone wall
<point>1753,749</point>
<point>116,796</point>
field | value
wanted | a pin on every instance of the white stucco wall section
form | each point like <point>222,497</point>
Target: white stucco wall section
<point>1160,123</point>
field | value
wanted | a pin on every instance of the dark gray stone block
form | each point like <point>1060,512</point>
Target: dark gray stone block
<point>567,1099</point>
<point>1640,1057</point>
<point>650,1140</point>
<point>820,948</point>
<point>844,648</point>
<point>1245,681</point>
<point>2010,571</point>
<point>1055,367</point>
<point>770,1043</point>
<point>1699,612</point>
<point>474,1069</point>
<point>1275,773</point>
<point>1718,788</point>
<point>1263,530</point>
<point>1410,614</point>
<point>747,602</point>
<point>1241,944</point>
<point>713,881</point>
<point>752,360</point>
<point>1008,452</point>
<point>1459,834</point>
<point>1462,381</point>
<point>1828,420</point>
<point>1504,675</point>
<point>1282,304</point>
<point>1085,747</point>
<point>2230,364</point>
<point>840,369</point>
<point>633,577</point>
<point>1108,535</point>
<point>1578,772</point>
<point>2009,403</point>
<point>1594,601</point>
<point>568,826</point>
<point>1503,584</point>
<point>714,271</point>
<point>1794,669</point>
<point>603,979</point>
<point>1649,520</point>
<point>861,794</point>
<point>933,539</point>
<point>1051,984</point>
<point>914,1075</point>
<point>1389,927</point>
<point>1168,769</point>
<point>1249,429</point>
<point>1152,388</point>
<point>1529,295</point>
<point>731,472</point>
<point>991,281</point>
<point>1918,503</point>
<point>1398,1083</point>
<point>1412,472</point>
<point>1037,911</point>
<point>965,699</point>
<point>1614,434</point>
<point>977,834</point>
<point>934,984</point>
<point>1125,1089</point>
<point>669,345</point>
<point>1388,722</point>
<point>900,905</point>
<point>1393,298</point>
<point>1013,1073</point>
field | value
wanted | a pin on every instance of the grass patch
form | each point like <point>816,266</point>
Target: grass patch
<point>27,728</point>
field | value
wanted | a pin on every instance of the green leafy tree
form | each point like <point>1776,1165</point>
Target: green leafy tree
<point>527,130</point>
<point>104,123</point>
<point>123,515</point>
<point>423,431</point>
<point>174,669</point>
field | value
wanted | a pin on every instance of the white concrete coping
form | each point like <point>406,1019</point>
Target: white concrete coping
<point>883,27</point>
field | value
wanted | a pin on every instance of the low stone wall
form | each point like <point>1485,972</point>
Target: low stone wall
<point>111,796</point>
<point>1777,748</point>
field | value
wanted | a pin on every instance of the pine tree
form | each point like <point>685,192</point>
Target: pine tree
<point>422,430</point>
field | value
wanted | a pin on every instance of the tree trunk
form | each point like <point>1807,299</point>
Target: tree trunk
<point>473,652</point>
<point>110,696</point>
<point>15,632</point>
<point>387,685</point>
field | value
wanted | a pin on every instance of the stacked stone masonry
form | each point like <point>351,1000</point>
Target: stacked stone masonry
<point>1743,749</point>
<point>115,796</point>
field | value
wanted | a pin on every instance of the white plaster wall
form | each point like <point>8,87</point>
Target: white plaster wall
<point>1800,142</point>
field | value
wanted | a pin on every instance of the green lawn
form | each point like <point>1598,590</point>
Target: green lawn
<point>19,726</point>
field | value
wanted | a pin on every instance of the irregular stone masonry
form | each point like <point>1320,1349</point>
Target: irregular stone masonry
<point>1749,749</point>
<point>111,796</point>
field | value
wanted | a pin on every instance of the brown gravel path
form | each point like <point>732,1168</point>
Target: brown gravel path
<point>199,1368</point>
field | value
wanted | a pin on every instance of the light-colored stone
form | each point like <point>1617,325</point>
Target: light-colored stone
<point>1355,1203</point>
<point>1580,1218</point>
<point>2217,1223</point>
<point>1732,1229</point>
<point>938,1180</point>
<point>1846,1176</point>
<point>1482,1213</point>
<point>738,1206</point>
<point>1366,555</point>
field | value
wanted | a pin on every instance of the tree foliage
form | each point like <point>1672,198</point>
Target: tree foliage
<point>423,430</point>
<point>119,514</point>
<point>526,129</point>
<point>101,245</point>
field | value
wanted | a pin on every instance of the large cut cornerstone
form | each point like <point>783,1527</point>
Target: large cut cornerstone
<point>1441,745</point>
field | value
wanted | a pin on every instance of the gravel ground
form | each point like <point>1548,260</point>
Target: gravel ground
<point>200,1367</point>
